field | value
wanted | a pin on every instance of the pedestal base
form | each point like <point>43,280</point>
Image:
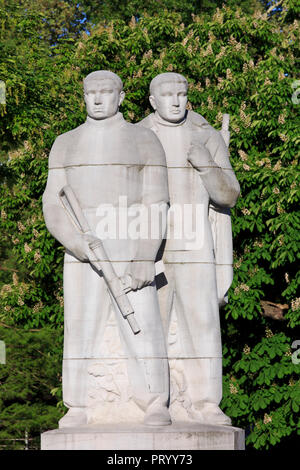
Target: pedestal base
<point>178,436</point>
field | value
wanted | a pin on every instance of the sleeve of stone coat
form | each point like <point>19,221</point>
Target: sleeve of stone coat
<point>57,220</point>
<point>155,198</point>
<point>220,180</point>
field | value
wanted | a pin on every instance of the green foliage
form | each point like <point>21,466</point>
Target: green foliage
<point>47,20</point>
<point>236,63</point>
<point>29,382</point>
<point>261,385</point>
<point>106,10</point>
<point>126,9</point>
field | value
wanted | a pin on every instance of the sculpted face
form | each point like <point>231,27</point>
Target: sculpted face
<point>169,100</point>
<point>102,98</point>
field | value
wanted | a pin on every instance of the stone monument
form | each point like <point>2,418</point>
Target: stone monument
<point>106,201</point>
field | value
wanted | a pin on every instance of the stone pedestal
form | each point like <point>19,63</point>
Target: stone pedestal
<point>178,436</point>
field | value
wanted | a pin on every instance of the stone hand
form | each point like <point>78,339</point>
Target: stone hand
<point>199,156</point>
<point>141,273</point>
<point>81,246</point>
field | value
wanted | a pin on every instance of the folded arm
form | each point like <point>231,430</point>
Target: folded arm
<point>211,159</point>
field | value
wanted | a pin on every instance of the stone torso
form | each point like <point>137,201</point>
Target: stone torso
<point>185,184</point>
<point>107,164</point>
<point>108,158</point>
<point>186,191</point>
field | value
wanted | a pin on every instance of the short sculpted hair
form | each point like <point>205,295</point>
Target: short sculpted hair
<point>167,77</point>
<point>103,75</point>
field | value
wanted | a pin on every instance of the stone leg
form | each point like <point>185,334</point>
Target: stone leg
<point>85,321</point>
<point>85,318</point>
<point>197,310</point>
<point>191,291</point>
<point>147,355</point>
<point>204,380</point>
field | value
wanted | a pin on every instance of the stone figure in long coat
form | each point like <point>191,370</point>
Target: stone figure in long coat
<point>104,161</point>
<point>198,251</point>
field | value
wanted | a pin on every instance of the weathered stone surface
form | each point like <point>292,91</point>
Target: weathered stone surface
<point>103,169</point>
<point>178,436</point>
<point>198,262</point>
<point>106,170</point>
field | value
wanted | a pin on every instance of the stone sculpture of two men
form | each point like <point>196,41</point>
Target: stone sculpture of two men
<point>172,157</point>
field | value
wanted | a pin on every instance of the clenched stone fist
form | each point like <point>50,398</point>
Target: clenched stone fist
<point>199,156</point>
<point>140,273</point>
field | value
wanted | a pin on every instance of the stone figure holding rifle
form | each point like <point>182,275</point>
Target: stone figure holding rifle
<point>108,166</point>
<point>199,270</point>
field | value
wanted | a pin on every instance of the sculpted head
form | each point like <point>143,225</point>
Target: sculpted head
<point>168,96</point>
<point>103,94</point>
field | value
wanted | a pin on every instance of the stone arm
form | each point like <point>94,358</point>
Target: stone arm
<point>155,201</point>
<point>57,220</point>
<point>209,155</point>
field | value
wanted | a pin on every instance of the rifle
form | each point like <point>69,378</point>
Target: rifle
<point>117,286</point>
